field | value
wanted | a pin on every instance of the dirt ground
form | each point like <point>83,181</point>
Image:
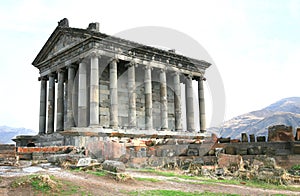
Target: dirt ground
<point>106,185</point>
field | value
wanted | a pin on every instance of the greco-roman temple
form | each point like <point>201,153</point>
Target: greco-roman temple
<point>95,88</point>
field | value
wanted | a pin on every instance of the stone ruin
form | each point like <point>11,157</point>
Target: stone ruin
<point>116,98</point>
<point>120,100</point>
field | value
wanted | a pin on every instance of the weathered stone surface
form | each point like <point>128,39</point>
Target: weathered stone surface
<point>84,162</point>
<point>297,134</point>
<point>229,161</point>
<point>280,133</point>
<point>244,137</point>
<point>61,158</point>
<point>261,138</point>
<point>113,166</point>
<point>252,137</point>
<point>230,150</point>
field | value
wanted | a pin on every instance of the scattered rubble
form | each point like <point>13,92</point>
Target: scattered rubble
<point>113,166</point>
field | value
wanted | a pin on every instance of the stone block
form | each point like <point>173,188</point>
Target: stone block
<point>104,111</point>
<point>298,134</point>
<point>261,138</point>
<point>255,150</point>
<point>113,166</point>
<point>252,137</point>
<point>84,162</point>
<point>104,92</point>
<point>241,151</point>
<point>228,161</point>
<point>192,152</point>
<point>280,133</point>
<point>230,150</point>
<point>103,87</point>
<point>244,137</point>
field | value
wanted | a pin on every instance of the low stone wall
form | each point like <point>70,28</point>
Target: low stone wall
<point>7,153</point>
<point>41,153</point>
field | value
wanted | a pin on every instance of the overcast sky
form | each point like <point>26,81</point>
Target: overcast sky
<point>255,45</point>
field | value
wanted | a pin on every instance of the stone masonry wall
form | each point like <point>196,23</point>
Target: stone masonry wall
<point>123,101</point>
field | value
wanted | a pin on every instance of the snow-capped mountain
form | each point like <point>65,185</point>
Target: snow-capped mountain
<point>7,133</point>
<point>285,111</point>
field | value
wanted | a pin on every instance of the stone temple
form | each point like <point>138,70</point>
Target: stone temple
<point>97,85</point>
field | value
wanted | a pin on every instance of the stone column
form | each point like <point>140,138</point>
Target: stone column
<point>177,102</point>
<point>189,104</point>
<point>94,91</point>
<point>43,105</point>
<point>70,114</point>
<point>131,96</point>
<point>202,118</point>
<point>66,104</point>
<point>51,104</point>
<point>163,100</point>
<point>148,98</point>
<point>60,102</point>
<point>113,87</point>
<point>82,97</point>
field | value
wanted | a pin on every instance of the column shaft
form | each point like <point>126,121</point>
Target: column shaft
<point>94,91</point>
<point>148,99</point>
<point>131,96</point>
<point>66,104</point>
<point>163,100</point>
<point>201,106</point>
<point>43,105</point>
<point>82,97</point>
<point>70,113</point>
<point>51,104</point>
<point>60,102</point>
<point>177,102</point>
<point>113,87</point>
<point>189,105</point>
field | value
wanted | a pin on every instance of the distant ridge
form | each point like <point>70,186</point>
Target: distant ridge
<point>8,133</point>
<point>285,111</point>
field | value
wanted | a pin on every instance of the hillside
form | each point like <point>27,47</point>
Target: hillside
<point>285,111</point>
<point>7,133</point>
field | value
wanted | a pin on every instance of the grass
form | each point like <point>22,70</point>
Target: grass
<point>97,173</point>
<point>48,185</point>
<point>296,167</point>
<point>32,180</point>
<point>204,180</point>
<point>174,193</point>
<point>147,179</point>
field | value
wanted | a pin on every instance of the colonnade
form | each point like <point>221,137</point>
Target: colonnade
<point>88,97</point>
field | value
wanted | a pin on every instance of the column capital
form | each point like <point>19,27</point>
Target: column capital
<point>161,70</point>
<point>83,60</point>
<point>200,78</point>
<point>148,67</point>
<point>176,73</point>
<point>51,74</point>
<point>42,78</point>
<point>71,66</point>
<point>189,76</point>
<point>131,63</point>
<point>61,70</point>
<point>113,59</point>
<point>94,53</point>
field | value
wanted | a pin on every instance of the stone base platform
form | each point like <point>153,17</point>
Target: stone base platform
<point>125,145</point>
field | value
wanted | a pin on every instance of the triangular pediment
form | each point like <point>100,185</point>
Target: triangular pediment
<point>60,41</point>
<point>63,43</point>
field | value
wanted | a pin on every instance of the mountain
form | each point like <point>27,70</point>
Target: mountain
<point>7,133</point>
<point>285,111</point>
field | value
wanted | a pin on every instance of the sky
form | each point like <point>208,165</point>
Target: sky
<point>253,44</point>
